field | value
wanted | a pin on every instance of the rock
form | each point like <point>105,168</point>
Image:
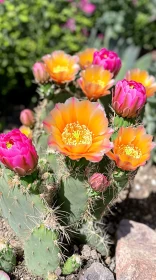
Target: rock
<point>97,272</point>
<point>135,252</point>
<point>86,252</point>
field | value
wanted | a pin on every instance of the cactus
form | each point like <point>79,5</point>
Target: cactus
<point>71,265</point>
<point>7,257</point>
<point>58,200</point>
<point>42,253</point>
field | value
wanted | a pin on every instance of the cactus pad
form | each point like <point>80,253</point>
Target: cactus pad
<point>42,253</point>
<point>22,210</point>
<point>7,257</point>
<point>73,198</point>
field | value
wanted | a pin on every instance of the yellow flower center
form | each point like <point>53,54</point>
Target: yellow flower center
<point>131,150</point>
<point>59,68</point>
<point>74,134</point>
<point>9,144</point>
<point>105,56</point>
<point>99,82</point>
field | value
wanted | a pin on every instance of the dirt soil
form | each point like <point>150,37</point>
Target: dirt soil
<point>139,205</point>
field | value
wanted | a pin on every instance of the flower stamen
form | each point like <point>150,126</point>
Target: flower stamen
<point>59,68</point>
<point>9,144</point>
<point>131,150</point>
<point>75,134</point>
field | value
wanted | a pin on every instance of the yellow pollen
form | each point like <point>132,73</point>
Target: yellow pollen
<point>131,150</point>
<point>99,82</point>
<point>75,134</point>
<point>105,56</point>
<point>132,87</point>
<point>9,144</point>
<point>59,68</point>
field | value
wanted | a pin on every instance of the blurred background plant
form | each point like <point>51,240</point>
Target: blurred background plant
<point>30,29</point>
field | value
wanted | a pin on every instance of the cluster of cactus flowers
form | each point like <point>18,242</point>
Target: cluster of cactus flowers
<point>64,167</point>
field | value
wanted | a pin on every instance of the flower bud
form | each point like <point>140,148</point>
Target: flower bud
<point>27,117</point>
<point>129,98</point>
<point>18,153</point>
<point>108,59</point>
<point>40,74</point>
<point>26,131</point>
<point>98,182</point>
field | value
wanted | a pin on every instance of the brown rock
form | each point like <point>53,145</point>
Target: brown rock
<point>135,252</point>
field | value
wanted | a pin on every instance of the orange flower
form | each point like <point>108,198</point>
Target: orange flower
<point>79,129</point>
<point>86,57</point>
<point>61,67</point>
<point>95,81</point>
<point>142,76</point>
<point>26,130</point>
<point>132,148</point>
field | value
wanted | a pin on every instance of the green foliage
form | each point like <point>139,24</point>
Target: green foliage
<point>130,20</point>
<point>7,257</point>
<point>30,29</point>
<point>42,254</point>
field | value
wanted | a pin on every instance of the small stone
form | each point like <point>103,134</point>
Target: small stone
<point>135,252</point>
<point>97,272</point>
<point>137,187</point>
<point>86,252</point>
<point>153,182</point>
<point>108,260</point>
<point>94,255</point>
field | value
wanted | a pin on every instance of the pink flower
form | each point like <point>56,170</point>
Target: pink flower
<point>2,1</point>
<point>129,98</point>
<point>108,59</point>
<point>70,24</point>
<point>17,152</point>
<point>87,7</point>
<point>98,182</point>
<point>27,117</point>
<point>40,74</point>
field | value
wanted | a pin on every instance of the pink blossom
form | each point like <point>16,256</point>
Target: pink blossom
<point>17,152</point>
<point>70,24</point>
<point>108,59</point>
<point>129,98</point>
<point>87,7</point>
<point>27,117</point>
<point>40,74</point>
<point>98,182</point>
<point>2,1</point>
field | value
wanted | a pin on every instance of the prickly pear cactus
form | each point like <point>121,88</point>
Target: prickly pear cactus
<point>7,257</point>
<point>84,148</point>
<point>72,264</point>
<point>42,253</point>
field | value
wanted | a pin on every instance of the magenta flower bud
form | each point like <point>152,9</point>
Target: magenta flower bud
<point>108,59</point>
<point>40,74</point>
<point>17,152</point>
<point>98,182</point>
<point>129,97</point>
<point>27,117</point>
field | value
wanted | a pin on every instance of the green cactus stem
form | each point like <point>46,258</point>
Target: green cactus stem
<point>42,253</point>
<point>71,265</point>
<point>22,210</point>
<point>94,237</point>
<point>7,257</point>
<point>73,198</point>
